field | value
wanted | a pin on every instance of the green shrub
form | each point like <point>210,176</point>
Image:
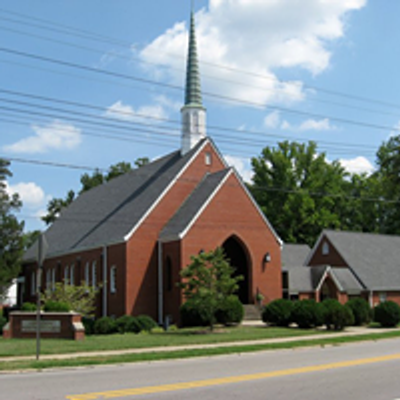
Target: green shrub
<point>278,312</point>
<point>88,323</point>
<point>133,325</point>
<point>194,314</point>
<point>105,326</point>
<point>387,314</point>
<point>146,323</point>
<point>361,311</point>
<point>3,321</point>
<point>230,311</point>
<point>123,323</point>
<point>336,315</point>
<point>307,314</point>
<point>56,306</point>
<point>28,307</point>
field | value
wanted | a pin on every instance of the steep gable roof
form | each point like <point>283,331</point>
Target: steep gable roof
<point>110,212</point>
<point>374,259</point>
<point>190,209</point>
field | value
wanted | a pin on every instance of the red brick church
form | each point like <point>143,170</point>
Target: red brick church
<point>136,232</point>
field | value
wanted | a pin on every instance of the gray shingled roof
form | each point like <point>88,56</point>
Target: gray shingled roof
<point>347,280</point>
<point>185,214</point>
<point>294,254</point>
<point>375,259</point>
<point>107,213</point>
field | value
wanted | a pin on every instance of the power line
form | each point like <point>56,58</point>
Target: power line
<point>86,34</point>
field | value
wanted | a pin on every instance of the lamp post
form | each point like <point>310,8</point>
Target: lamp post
<point>42,247</point>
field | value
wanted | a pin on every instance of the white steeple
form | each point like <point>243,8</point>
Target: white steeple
<point>193,113</point>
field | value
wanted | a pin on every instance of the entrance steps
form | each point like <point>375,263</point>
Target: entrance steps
<point>252,312</point>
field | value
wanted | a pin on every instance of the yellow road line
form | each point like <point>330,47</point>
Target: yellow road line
<point>227,380</point>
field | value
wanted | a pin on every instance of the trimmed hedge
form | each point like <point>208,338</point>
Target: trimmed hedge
<point>88,323</point>
<point>230,311</point>
<point>28,307</point>
<point>146,323</point>
<point>387,314</point>
<point>105,326</point>
<point>361,311</point>
<point>336,315</point>
<point>278,312</point>
<point>194,314</point>
<point>307,314</point>
<point>56,306</point>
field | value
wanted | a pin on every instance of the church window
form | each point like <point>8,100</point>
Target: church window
<point>208,158</point>
<point>94,274</point>
<point>325,249</point>
<point>113,279</point>
<point>196,122</point>
<point>168,274</point>
<point>72,275</point>
<point>33,282</point>
<point>66,275</point>
<point>87,277</point>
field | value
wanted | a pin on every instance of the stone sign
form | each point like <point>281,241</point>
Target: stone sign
<point>47,326</point>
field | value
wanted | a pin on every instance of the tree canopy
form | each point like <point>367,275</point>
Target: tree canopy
<point>11,232</point>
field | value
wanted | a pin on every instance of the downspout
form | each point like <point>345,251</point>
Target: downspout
<point>105,281</point>
<point>160,284</point>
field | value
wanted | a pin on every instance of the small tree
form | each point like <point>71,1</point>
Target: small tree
<point>387,314</point>
<point>80,299</point>
<point>208,281</point>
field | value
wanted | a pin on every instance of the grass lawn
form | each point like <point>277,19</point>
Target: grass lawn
<point>24,347</point>
<point>153,355</point>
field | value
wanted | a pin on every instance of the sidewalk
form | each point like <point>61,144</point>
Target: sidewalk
<point>351,331</point>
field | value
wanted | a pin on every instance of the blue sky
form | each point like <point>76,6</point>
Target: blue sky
<point>271,70</point>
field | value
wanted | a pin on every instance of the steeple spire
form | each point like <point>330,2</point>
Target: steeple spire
<point>193,88</point>
<point>193,113</point>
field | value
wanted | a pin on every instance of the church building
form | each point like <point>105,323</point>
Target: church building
<point>132,236</point>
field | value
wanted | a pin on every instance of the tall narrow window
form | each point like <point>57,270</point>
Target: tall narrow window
<point>208,158</point>
<point>33,282</point>
<point>168,275</point>
<point>66,275</point>
<point>94,274</point>
<point>325,249</point>
<point>113,279</point>
<point>48,279</point>
<point>72,275</point>
<point>53,279</point>
<point>87,274</point>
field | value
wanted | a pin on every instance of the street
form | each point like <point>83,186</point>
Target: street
<point>365,371</point>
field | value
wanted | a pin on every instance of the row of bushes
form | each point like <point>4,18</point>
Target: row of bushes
<point>124,324</point>
<point>49,306</point>
<point>196,313</point>
<point>308,313</point>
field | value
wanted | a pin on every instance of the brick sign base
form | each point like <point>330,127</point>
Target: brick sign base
<point>53,325</point>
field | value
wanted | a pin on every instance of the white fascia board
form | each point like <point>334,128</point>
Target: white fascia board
<point>329,272</point>
<point>204,206</point>
<point>270,227</point>
<point>167,189</point>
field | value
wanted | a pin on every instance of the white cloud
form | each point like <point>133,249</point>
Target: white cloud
<point>242,166</point>
<point>157,111</point>
<point>357,165</point>
<point>56,135</point>
<point>258,36</point>
<point>31,194</point>
<point>309,125</point>
<point>272,120</point>
<point>314,125</point>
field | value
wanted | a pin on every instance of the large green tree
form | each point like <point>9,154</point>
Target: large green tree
<point>11,238</point>
<point>299,190</point>
<point>388,161</point>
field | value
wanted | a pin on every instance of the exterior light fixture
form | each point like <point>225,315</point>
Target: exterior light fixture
<point>267,258</point>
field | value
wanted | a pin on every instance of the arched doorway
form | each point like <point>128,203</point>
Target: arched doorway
<point>328,290</point>
<point>236,253</point>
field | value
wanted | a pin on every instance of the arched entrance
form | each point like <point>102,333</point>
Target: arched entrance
<point>328,290</point>
<point>236,253</point>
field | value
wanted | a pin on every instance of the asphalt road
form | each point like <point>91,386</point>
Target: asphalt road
<point>364,371</point>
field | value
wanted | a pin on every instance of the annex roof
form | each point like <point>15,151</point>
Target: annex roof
<point>294,254</point>
<point>374,259</point>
